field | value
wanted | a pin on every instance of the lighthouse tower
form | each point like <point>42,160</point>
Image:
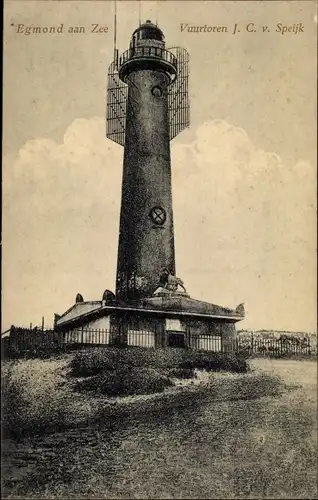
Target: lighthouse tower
<point>147,106</point>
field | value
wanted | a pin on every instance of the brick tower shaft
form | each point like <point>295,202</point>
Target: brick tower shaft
<point>146,238</point>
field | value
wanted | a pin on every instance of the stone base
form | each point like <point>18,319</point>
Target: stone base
<point>163,292</point>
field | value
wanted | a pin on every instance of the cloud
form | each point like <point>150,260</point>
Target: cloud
<point>244,224</point>
<point>61,205</point>
<point>248,222</point>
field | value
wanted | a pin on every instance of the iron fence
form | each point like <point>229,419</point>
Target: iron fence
<point>24,339</point>
<point>86,336</point>
<point>208,343</point>
<point>278,346</point>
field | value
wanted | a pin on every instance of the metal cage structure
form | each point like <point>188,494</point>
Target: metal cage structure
<point>178,100</point>
<point>117,93</point>
<point>178,95</point>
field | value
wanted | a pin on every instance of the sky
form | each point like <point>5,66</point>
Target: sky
<point>243,174</point>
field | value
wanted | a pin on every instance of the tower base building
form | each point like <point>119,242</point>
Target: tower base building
<point>165,319</point>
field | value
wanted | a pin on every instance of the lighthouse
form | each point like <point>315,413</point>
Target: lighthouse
<point>150,79</point>
<point>147,107</point>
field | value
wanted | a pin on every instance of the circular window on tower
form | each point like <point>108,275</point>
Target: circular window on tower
<point>158,215</point>
<point>157,91</point>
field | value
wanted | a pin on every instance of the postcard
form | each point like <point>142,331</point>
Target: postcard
<point>159,284</point>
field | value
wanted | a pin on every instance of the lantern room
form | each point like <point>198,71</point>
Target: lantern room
<point>147,32</point>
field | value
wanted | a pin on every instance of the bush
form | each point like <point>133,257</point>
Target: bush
<point>94,361</point>
<point>39,352</point>
<point>86,364</point>
<point>216,362</point>
<point>126,381</point>
<point>182,373</point>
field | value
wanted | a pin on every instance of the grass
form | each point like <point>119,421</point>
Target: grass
<point>51,395</point>
<point>34,398</point>
<point>297,356</point>
<point>253,386</point>
<point>236,436</point>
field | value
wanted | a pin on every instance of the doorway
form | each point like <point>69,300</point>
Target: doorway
<point>176,339</point>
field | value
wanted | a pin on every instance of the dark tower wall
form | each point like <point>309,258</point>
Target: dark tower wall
<point>145,245</point>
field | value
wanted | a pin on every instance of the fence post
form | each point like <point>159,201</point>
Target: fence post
<point>273,346</point>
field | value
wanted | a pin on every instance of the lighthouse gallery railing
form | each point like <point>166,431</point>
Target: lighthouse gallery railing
<point>155,52</point>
